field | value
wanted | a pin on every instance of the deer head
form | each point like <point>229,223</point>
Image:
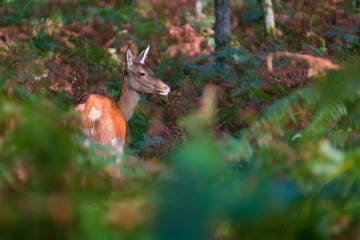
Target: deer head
<point>139,77</point>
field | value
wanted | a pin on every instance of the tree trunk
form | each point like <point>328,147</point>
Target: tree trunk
<point>222,23</point>
<point>198,7</point>
<point>269,17</point>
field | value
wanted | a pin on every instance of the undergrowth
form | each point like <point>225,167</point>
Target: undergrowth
<point>237,150</point>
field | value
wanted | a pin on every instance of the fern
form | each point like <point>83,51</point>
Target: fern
<point>229,63</point>
<point>330,103</point>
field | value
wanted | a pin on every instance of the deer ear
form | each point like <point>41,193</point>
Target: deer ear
<point>128,58</point>
<point>142,56</point>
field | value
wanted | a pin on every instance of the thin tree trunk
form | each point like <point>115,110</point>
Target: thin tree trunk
<point>222,23</point>
<point>357,6</point>
<point>269,17</point>
<point>198,7</point>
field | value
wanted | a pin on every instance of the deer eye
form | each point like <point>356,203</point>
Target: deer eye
<point>142,74</point>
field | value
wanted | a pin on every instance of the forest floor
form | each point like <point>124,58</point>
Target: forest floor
<point>269,95</point>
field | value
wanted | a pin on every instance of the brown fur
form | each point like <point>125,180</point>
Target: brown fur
<point>111,122</point>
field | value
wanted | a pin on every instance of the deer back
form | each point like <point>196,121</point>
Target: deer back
<point>103,121</point>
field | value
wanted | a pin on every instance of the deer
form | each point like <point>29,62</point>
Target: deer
<point>104,120</point>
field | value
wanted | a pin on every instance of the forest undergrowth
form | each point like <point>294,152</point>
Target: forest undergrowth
<point>258,140</point>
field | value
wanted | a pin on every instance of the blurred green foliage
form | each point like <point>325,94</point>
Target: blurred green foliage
<point>288,171</point>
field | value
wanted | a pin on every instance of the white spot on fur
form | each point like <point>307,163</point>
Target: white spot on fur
<point>118,144</point>
<point>94,114</point>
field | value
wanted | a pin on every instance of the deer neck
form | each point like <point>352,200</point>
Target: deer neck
<point>128,99</point>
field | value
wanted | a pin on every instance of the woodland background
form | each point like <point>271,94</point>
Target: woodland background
<point>249,144</point>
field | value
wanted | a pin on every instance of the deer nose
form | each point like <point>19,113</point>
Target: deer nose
<point>166,88</point>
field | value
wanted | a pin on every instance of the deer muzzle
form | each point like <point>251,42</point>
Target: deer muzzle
<point>165,91</point>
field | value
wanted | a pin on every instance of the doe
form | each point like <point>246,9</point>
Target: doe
<point>105,120</point>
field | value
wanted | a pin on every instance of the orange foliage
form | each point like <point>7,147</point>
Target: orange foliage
<point>295,75</point>
<point>172,9</point>
<point>317,65</point>
<point>313,18</point>
<point>188,42</point>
